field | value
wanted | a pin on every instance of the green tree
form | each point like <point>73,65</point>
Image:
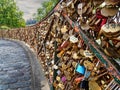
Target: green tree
<point>45,9</point>
<point>10,15</point>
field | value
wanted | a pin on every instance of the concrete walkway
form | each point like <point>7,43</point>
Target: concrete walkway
<point>19,68</point>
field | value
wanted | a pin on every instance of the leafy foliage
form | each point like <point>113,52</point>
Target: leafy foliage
<point>10,15</point>
<point>4,27</point>
<point>45,9</point>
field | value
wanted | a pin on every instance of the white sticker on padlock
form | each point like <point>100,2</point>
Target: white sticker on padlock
<point>88,54</point>
<point>73,39</point>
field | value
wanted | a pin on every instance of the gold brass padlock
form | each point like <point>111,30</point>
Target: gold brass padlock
<point>64,29</point>
<point>61,53</point>
<point>88,65</point>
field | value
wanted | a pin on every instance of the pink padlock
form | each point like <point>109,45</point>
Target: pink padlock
<point>63,79</point>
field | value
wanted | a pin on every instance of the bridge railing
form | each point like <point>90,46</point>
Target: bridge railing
<point>67,35</point>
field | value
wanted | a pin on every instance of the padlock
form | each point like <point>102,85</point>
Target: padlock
<point>61,53</point>
<point>84,85</point>
<point>75,59</point>
<point>55,67</point>
<point>70,9</point>
<point>57,14</point>
<point>97,2</point>
<point>69,63</point>
<point>80,69</point>
<point>68,52</point>
<point>87,53</point>
<point>77,80</point>
<point>81,8</point>
<point>75,56</point>
<point>64,67</point>
<point>58,78</point>
<point>85,26</point>
<point>61,86</point>
<point>94,78</point>
<point>88,65</point>
<point>58,72</point>
<point>93,85</point>
<point>111,2</point>
<point>63,79</point>
<point>90,22</point>
<point>109,11</point>
<point>64,29</point>
<point>110,30</point>
<point>74,64</point>
<point>68,75</point>
<point>55,83</point>
<point>63,45</point>
<point>65,36</point>
<point>73,39</point>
